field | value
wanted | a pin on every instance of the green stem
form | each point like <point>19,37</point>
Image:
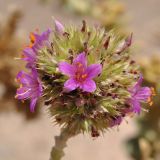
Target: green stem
<point>60,143</point>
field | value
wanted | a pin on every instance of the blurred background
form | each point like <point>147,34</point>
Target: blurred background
<point>30,136</point>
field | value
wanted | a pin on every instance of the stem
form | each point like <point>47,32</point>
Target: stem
<point>60,143</point>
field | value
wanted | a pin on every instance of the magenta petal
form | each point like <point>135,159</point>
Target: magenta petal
<point>24,78</point>
<point>140,79</point>
<point>33,104</point>
<point>34,73</point>
<point>81,58</point>
<point>70,85</point>
<point>41,40</point>
<point>31,87</point>
<point>59,27</point>
<point>94,70</point>
<point>29,54</point>
<point>136,106</point>
<point>88,85</point>
<point>23,93</point>
<point>44,36</point>
<point>143,94</point>
<point>66,68</point>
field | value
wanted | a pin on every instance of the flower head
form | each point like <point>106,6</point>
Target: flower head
<point>82,96</point>
<point>30,87</point>
<point>80,75</point>
<point>37,42</point>
<point>139,94</point>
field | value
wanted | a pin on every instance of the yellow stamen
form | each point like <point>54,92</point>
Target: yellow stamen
<point>84,76</point>
<point>16,96</point>
<point>153,91</point>
<point>16,80</point>
<point>79,64</point>
<point>151,103</point>
<point>149,100</point>
<point>32,39</point>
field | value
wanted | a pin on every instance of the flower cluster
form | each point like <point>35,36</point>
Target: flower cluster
<point>31,87</point>
<point>86,77</point>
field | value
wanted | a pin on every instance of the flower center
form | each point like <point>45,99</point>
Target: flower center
<point>80,74</point>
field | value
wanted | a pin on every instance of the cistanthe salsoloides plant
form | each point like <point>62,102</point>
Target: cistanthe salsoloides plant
<point>85,76</point>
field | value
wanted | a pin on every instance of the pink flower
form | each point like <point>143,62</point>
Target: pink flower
<point>37,43</point>
<point>40,40</point>
<point>30,87</point>
<point>80,75</point>
<point>139,94</point>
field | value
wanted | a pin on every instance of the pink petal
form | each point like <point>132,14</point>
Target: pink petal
<point>44,36</point>
<point>41,40</point>
<point>81,58</point>
<point>136,106</point>
<point>66,68</point>
<point>88,86</point>
<point>94,70</point>
<point>24,78</point>
<point>23,93</point>
<point>34,74</point>
<point>70,85</point>
<point>59,27</point>
<point>29,54</point>
<point>33,104</point>
<point>143,94</point>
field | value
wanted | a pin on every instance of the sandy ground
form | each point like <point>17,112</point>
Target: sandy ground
<point>22,140</point>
